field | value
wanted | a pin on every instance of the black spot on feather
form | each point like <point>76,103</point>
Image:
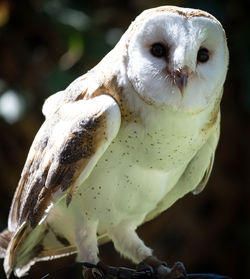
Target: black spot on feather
<point>80,144</point>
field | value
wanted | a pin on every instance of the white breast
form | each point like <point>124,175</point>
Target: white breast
<point>141,165</point>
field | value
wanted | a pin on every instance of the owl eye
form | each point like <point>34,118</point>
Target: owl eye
<point>158,50</point>
<point>203,55</point>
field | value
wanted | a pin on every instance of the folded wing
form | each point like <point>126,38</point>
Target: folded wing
<point>63,154</point>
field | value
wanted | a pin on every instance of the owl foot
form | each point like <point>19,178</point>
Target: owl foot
<point>150,268</point>
<point>101,271</point>
<point>91,271</point>
<point>160,269</point>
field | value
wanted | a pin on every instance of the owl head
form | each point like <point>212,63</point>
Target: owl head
<point>176,58</point>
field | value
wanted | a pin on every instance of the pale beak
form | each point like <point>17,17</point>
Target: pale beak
<point>181,81</point>
<point>181,78</point>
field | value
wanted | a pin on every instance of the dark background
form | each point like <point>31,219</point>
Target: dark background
<point>44,45</point>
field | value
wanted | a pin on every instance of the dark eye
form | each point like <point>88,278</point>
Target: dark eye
<point>202,55</point>
<point>158,50</point>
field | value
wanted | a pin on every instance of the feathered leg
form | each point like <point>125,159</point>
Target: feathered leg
<point>128,243</point>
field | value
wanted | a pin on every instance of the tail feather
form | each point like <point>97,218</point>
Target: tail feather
<point>26,246</point>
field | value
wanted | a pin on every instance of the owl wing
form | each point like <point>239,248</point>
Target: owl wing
<point>195,176</point>
<point>53,103</point>
<point>207,156</point>
<point>63,154</point>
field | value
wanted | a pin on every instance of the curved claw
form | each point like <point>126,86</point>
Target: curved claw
<point>178,271</point>
<point>160,270</point>
<point>91,271</point>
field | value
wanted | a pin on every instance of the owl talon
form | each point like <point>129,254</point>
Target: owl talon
<point>92,272</point>
<point>161,270</point>
<point>149,268</point>
<point>176,272</point>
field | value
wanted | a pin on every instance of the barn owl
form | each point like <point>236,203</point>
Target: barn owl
<point>122,143</point>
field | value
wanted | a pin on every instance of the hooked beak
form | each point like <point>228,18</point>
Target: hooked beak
<point>181,78</point>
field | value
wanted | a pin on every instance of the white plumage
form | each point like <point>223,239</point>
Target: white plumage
<point>123,142</point>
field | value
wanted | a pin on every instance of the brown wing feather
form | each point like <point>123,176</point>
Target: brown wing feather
<point>63,154</point>
<point>43,176</point>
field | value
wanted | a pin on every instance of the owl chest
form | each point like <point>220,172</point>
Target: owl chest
<point>162,144</point>
<point>140,166</point>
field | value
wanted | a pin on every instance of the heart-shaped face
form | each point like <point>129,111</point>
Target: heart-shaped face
<point>177,58</point>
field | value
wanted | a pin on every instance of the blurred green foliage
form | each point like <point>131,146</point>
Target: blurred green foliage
<point>44,45</point>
